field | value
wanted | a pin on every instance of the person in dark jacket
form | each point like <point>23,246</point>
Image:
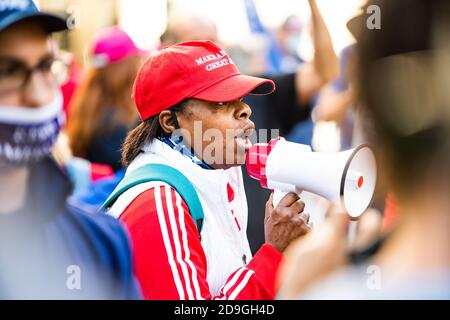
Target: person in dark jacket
<point>49,249</point>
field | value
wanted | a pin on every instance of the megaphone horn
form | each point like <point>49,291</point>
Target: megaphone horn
<point>290,167</point>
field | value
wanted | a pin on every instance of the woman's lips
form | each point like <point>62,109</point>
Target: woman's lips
<point>243,139</point>
<point>245,132</point>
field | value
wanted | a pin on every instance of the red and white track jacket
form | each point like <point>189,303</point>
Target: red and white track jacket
<point>171,260</point>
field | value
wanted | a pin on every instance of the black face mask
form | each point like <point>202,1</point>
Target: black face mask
<point>28,135</point>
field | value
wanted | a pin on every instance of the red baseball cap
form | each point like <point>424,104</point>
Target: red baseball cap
<point>197,69</point>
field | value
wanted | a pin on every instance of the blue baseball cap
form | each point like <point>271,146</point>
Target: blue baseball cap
<point>14,11</point>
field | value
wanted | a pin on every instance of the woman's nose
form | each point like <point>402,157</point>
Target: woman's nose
<point>243,111</point>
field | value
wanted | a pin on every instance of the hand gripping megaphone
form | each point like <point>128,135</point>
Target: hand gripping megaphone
<point>348,176</point>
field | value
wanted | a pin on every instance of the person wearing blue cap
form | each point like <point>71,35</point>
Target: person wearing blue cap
<point>49,249</point>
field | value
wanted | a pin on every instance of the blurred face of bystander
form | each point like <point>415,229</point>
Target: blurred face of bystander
<point>26,78</point>
<point>31,113</point>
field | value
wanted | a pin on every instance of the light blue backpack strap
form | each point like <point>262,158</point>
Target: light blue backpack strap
<point>163,173</point>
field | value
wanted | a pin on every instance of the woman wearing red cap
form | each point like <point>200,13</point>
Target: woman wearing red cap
<point>183,200</point>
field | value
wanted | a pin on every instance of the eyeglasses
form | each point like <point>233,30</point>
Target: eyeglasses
<point>15,75</point>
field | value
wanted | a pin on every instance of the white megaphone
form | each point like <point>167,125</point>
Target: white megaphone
<point>290,167</point>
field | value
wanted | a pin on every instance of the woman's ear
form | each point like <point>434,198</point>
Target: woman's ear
<point>167,122</point>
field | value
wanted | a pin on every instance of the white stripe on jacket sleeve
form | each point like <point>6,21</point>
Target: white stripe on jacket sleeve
<point>166,239</point>
<point>241,285</point>
<point>233,281</point>
<point>198,294</point>
<point>177,242</point>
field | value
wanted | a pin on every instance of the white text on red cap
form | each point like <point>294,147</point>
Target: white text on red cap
<point>220,59</point>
